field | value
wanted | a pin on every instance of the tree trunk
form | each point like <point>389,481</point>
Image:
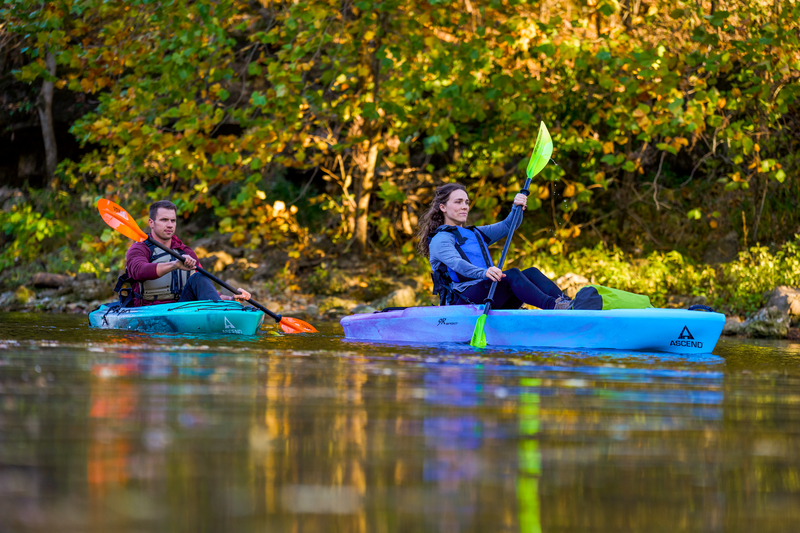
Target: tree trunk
<point>46,118</point>
<point>597,22</point>
<point>760,209</point>
<point>627,14</point>
<point>365,192</point>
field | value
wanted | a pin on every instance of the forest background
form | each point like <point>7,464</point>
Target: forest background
<point>306,137</point>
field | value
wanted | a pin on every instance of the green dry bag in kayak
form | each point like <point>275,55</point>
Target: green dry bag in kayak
<point>597,297</point>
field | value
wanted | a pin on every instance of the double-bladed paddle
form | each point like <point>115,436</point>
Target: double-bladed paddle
<point>120,220</point>
<point>542,151</point>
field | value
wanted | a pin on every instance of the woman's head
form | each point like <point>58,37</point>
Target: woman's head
<point>456,206</point>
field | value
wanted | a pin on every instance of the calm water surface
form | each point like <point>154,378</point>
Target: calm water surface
<point>116,431</point>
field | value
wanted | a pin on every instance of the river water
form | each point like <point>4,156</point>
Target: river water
<point>115,431</point>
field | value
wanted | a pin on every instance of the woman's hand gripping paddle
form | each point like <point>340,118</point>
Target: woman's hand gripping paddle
<point>120,220</point>
<point>542,151</point>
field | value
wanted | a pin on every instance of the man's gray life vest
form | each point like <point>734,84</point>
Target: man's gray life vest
<point>170,285</point>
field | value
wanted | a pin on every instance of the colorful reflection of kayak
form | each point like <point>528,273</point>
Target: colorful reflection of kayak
<point>154,365</point>
<point>654,330</point>
<point>224,317</point>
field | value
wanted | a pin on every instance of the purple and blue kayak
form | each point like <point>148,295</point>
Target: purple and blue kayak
<point>661,330</point>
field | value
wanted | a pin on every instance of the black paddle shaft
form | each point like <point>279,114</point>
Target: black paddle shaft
<point>214,278</point>
<point>514,210</point>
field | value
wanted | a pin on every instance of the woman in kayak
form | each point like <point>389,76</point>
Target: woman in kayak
<point>462,267</point>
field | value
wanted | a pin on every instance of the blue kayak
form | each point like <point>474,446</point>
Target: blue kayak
<point>661,330</point>
<point>219,318</point>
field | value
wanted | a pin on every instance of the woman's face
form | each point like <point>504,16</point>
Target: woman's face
<point>456,209</point>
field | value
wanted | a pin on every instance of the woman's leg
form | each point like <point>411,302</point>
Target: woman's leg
<point>503,296</point>
<point>544,283</point>
<point>529,286</point>
<point>533,287</point>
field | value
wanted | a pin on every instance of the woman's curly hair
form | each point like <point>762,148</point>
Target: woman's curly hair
<point>434,217</point>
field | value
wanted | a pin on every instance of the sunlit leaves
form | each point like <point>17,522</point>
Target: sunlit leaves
<point>194,99</point>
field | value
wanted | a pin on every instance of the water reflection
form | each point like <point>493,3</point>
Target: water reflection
<point>530,458</point>
<point>108,430</point>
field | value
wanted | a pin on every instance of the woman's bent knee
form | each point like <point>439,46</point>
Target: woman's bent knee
<point>533,270</point>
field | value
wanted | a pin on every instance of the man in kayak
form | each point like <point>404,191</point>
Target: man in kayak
<point>463,271</point>
<point>156,277</point>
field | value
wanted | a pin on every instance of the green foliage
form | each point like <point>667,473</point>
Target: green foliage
<point>658,275</point>
<point>376,286</point>
<point>409,263</point>
<point>661,115</point>
<point>31,231</point>
<point>53,232</point>
<point>757,271</point>
<point>327,279</point>
<point>736,287</point>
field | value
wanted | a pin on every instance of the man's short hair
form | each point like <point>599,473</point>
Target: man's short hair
<point>161,204</point>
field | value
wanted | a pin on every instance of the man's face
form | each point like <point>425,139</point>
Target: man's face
<point>163,226</point>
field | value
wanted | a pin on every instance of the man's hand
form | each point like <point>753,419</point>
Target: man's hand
<point>242,296</point>
<point>188,263</point>
<point>494,274</point>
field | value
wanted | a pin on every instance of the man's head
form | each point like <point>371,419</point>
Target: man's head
<point>163,219</point>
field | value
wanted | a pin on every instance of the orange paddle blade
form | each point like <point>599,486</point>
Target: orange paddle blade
<point>295,325</point>
<point>120,220</point>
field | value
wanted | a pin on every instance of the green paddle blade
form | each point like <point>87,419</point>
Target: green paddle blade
<point>542,151</point>
<point>478,336</point>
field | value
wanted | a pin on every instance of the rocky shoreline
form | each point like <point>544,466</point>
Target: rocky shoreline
<point>779,317</point>
<point>81,294</point>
